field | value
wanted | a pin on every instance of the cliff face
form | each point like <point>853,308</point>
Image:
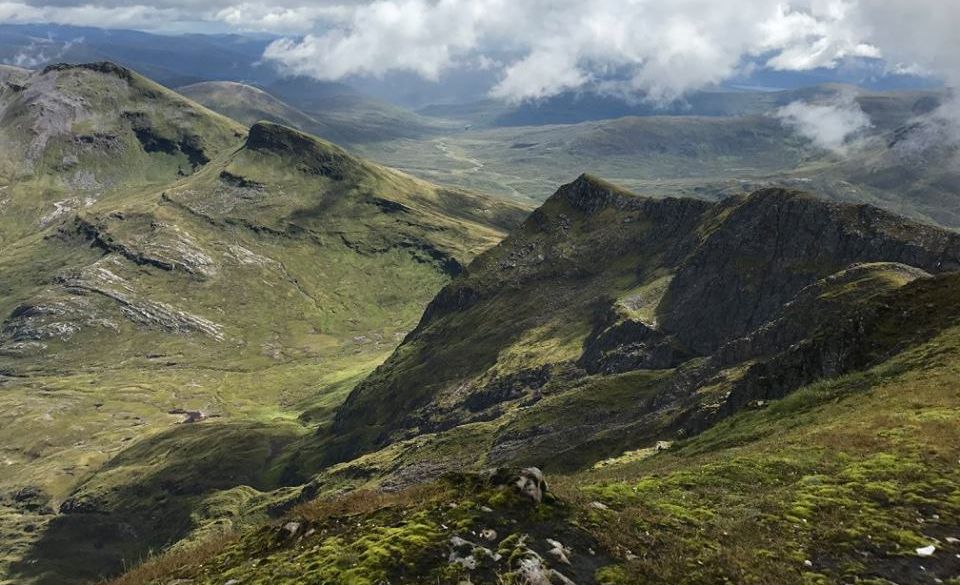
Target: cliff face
<point>769,246</point>
<point>599,282</point>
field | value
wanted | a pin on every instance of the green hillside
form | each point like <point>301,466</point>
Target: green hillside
<point>238,353</point>
<point>250,276</point>
<point>794,423</point>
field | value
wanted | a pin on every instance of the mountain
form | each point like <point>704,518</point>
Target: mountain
<point>163,265</point>
<point>333,111</point>
<point>675,280</point>
<point>911,169</point>
<point>166,59</point>
<point>885,108</point>
<point>248,104</point>
<point>754,390</point>
<point>361,118</point>
<point>75,135</point>
<point>904,162</point>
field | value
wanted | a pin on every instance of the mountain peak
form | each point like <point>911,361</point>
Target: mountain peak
<point>106,67</point>
<point>591,194</point>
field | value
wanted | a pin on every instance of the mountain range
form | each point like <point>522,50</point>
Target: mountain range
<point>234,352</point>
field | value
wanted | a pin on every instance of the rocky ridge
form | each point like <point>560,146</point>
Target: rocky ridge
<point>656,285</point>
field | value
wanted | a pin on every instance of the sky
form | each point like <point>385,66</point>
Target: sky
<point>660,49</point>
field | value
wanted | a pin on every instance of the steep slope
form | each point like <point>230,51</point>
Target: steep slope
<point>602,281</point>
<point>74,134</point>
<point>820,447</point>
<point>250,289</point>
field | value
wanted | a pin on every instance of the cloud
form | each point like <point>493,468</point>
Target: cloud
<point>832,125</point>
<point>658,48</point>
<point>103,16</point>
<point>921,34</point>
<point>253,17</point>
<point>390,35</point>
<point>39,52</point>
<point>650,49</point>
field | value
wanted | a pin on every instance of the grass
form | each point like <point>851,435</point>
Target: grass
<point>367,537</point>
<point>305,266</point>
<point>839,482</point>
<point>308,280</point>
<point>851,475</point>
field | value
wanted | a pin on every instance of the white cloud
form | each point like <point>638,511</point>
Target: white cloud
<point>834,124</point>
<point>104,16</point>
<point>921,34</point>
<point>280,19</point>
<point>659,48</point>
<point>39,52</point>
<point>388,35</point>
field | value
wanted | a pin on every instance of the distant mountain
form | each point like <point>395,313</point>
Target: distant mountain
<point>248,104</point>
<point>576,107</point>
<point>362,119</point>
<point>169,60</point>
<point>332,111</point>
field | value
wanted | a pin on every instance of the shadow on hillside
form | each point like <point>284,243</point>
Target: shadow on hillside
<point>154,494</point>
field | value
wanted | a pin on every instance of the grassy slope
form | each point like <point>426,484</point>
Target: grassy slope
<point>81,134</point>
<point>345,118</point>
<point>359,118</point>
<point>852,475</point>
<point>308,277</point>
<point>839,482</point>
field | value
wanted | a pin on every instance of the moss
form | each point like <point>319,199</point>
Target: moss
<point>841,481</point>
<point>613,575</point>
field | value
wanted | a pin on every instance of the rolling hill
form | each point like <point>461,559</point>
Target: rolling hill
<point>902,163</point>
<point>332,111</point>
<point>248,104</point>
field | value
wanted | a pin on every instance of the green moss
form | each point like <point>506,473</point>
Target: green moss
<point>851,475</point>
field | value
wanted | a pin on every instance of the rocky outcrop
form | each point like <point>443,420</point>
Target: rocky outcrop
<point>509,387</point>
<point>153,141</point>
<point>105,67</point>
<point>160,245</point>
<point>310,155</point>
<point>621,344</point>
<point>529,482</point>
<point>822,304</point>
<point>767,247</point>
